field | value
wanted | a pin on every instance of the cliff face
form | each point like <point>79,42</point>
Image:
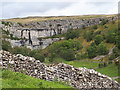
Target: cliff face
<point>76,77</point>
<point>32,31</point>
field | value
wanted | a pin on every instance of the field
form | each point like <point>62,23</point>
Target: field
<point>18,80</point>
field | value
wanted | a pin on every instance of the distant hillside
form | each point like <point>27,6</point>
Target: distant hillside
<point>37,18</point>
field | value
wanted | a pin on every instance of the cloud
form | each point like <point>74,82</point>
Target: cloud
<point>20,8</point>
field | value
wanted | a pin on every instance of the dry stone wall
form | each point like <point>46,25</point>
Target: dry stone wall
<point>76,77</point>
<point>34,30</point>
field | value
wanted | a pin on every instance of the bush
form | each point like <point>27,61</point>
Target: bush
<point>39,56</point>
<point>82,56</point>
<point>98,39</point>
<point>71,34</point>
<point>97,32</point>
<point>102,49</point>
<point>83,27</point>
<point>92,51</point>
<point>65,49</point>
<point>89,35</point>
<point>110,37</point>
<point>118,41</point>
<point>6,45</point>
<point>21,50</point>
<point>104,21</point>
<point>95,27</point>
<point>20,24</point>
<point>67,54</point>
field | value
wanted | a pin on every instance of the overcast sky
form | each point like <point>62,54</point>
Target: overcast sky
<point>24,8</point>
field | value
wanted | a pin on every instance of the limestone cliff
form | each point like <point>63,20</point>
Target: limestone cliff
<point>34,30</point>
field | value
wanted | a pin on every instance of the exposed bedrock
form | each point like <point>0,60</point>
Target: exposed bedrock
<point>34,30</point>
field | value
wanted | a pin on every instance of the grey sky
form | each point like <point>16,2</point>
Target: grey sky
<point>20,8</point>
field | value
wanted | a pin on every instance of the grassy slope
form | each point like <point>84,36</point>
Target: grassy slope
<point>18,80</point>
<point>37,19</point>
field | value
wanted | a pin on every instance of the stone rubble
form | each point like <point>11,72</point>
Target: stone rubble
<point>34,30</point>
<point>75,77</point>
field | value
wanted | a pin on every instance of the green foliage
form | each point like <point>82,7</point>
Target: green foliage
<point>111,36</point>
<point>95,27</point>
<point>65,49</point>
<point>7,23</point>
<point>52,57</point>
<point>83,27</point>
<point>67,54</point>
<point>98,39</point>
<point>37,54</point>
<point>115,54</point>
<point>12,79</point>
<point>81,56</point>
<point>105,26</point>
<point>92,51</point>
<point>6,45</point>
<point>21,50</point>
<point>20,24</point>
<point>89,35</point>
<point>97,32</point>
<point>113,22</point>
<point>5,32</point>
<point>102,49</point>
<point>104,21</point>
<point>118,41</point>
<point>71,34</point>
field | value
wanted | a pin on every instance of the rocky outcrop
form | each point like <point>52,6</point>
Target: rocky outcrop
<point>33,31</point>
<point>76,77</point>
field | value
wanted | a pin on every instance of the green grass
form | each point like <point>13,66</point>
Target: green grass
<point>118,80</point>
<point>86,64</point>
<point>12,79</point>
<point>111,70</point>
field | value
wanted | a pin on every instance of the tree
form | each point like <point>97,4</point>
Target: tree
<point>95,27</point>
<point>39,56</point>
<point>98,39</point>
<point>89,35</point>
<point>6,45</point>
<point>102,49</point>
<point>92,51</point>
<point>67,54</point>
<point>72,34</point>
<point>118,41</point>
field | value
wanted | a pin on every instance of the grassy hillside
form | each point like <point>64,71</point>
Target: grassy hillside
<point>12,79</point>
<point>38,19</point>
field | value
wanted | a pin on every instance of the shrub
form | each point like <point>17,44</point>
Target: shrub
<point>92,51</point>
<point>102,49</point>
<point>20,24</point>
<point>98,39</point>
<point>21,50</point>
<point>39,56</point>
<point>83,27</point>
<point>6,45</point>
<point>104,21</point>
<point>89,35</point>
<point>67,54</point>
<point>95,27</point>
<point>118,41</point>
<point>72,34</point>
<point>82,56</point>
